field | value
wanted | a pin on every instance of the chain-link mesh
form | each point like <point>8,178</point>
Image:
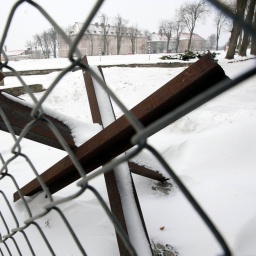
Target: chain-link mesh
<point>14,234</point>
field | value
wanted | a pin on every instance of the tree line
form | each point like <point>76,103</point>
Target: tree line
<point>240,39</point>
<point>186,17</point>
<point>47,42</point>
<point>122,30</point>
<point>189,13</point>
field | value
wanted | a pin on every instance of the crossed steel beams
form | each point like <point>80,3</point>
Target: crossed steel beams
<point>115,138</point>
<point>19,115</point>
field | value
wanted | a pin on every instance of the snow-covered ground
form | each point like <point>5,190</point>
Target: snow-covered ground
<point>212,150</point>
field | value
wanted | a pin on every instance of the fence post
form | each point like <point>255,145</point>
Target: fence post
<point>113,187</point>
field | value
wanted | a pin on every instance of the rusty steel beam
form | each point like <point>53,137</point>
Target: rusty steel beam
<point>1,76</point>
<point>146,172</point>
<point>115,139</point>
<point>19,116</point>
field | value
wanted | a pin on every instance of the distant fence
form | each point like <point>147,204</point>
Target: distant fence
<point>21,57</point>
<point>13,234</point>
<point>134,65</point>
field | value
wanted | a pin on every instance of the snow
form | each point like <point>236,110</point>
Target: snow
<point>123,177</point>
<point>212,150</point>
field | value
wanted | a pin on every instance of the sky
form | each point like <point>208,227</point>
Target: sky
<point>28,21</point>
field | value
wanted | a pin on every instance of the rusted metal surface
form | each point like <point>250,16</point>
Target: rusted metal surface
<point>96,117</point>
<point>1,76</point>
<point>19,115</point>
<point>115,139</point>
<point>146,172</point>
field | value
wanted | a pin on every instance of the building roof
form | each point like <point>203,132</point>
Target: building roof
<point>158,37</point>
<point>185,36</point>
<point>155,37</point>
<point>95,28</point>
<point>15,53</point>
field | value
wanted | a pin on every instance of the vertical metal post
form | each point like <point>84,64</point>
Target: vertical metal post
<point>115,199</point>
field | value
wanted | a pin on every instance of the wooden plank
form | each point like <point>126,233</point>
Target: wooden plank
<point>115,138</point>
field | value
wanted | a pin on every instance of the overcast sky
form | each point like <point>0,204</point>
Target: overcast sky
<point>146,14</point>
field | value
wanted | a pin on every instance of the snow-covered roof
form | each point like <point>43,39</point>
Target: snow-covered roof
<point>155,37</point>
<point>95,28</point>
<point>185,36</point>
<point>158,37</point>
<point>15,53</point>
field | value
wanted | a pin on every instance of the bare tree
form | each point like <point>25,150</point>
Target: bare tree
<point>178,29</point>
<point>212,41</point>
<point>29,44</point>
<point>104,19</point>
<point>240,8</point>
<point>38,42</point>
<point>147,34</point>
<point>133,33</point>
<point>69,30</point>
<point>120,25</point>
<point>90,38</point>
<point>191,12</point>
<point>166,28</point>
<point>220,21</point>
<point>53,40</point>
<point>248,20</point>
<point>45,42</point>
<point>253,40</point>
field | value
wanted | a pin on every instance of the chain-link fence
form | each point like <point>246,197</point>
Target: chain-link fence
<point>15,235</point>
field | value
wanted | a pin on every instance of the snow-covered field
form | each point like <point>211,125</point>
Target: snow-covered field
<point>212,150</point>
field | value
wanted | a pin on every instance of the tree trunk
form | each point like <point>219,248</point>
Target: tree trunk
<point>55,51</point>
<point>253,40</point>
<point>240,40</point>
<point>118,44</point>
<point>244,44</point>
<point>177,44</point>
<point>248,20</point>
<point>167,46</point>
<point>217,39</point>
<point>241,4</point>
<point>190,39</point>
<point>133,46</point>
<point>92,49</point>
<point>2,81</point>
